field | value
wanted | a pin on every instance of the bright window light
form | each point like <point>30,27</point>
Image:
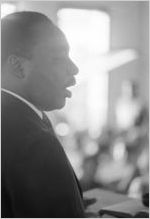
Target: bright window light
<point>88,33</point>
<point>7,8</point>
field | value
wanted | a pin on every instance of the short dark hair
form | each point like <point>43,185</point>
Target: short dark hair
<point>19,33</point>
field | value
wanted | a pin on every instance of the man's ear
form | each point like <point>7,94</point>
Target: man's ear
<point>17,65</point>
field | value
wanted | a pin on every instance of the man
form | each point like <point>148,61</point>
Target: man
<point>37,178</point>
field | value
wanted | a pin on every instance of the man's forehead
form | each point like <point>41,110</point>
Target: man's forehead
<point>56,41</point>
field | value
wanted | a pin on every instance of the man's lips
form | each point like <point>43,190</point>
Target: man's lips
<point>69,84</point>
<point>68,93</point>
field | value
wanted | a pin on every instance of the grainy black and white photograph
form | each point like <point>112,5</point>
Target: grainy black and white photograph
<point>74,109</point>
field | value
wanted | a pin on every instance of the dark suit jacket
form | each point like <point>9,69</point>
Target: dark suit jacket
<point>37,179</point>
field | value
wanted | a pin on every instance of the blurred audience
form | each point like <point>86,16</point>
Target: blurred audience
<point>120,162</point>
<point>118,158</point>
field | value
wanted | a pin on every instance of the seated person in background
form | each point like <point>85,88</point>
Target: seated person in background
<point>37,178</point>
<point>133,124</point>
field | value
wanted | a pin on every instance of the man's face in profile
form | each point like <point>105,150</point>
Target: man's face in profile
<point>51,73</point>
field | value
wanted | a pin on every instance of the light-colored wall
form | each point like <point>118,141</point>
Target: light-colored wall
<point>144,46</point>
<point>129,29</point>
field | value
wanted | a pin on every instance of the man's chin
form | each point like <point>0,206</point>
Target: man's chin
<point>56,106</point>
<point>61,104</point>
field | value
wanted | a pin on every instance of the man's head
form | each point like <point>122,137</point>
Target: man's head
<point>35,60</point>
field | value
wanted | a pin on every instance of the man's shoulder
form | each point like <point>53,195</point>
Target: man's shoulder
<point>16,112</point>
<point>20,122</point>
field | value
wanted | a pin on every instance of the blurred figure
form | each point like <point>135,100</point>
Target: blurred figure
<point>89,152</point>
<point>133,125</point>
<point>129,105</point>
<point>123,151</point>
<point>96,153</point>
<point>37,178</point>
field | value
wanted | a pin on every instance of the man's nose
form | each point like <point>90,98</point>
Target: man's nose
<point>73,68</point>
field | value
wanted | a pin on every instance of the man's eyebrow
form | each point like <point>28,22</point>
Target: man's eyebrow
<point>68,48</point>
<point>64,49</point>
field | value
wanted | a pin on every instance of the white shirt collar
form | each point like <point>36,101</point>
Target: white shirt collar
<point>25,101</point>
